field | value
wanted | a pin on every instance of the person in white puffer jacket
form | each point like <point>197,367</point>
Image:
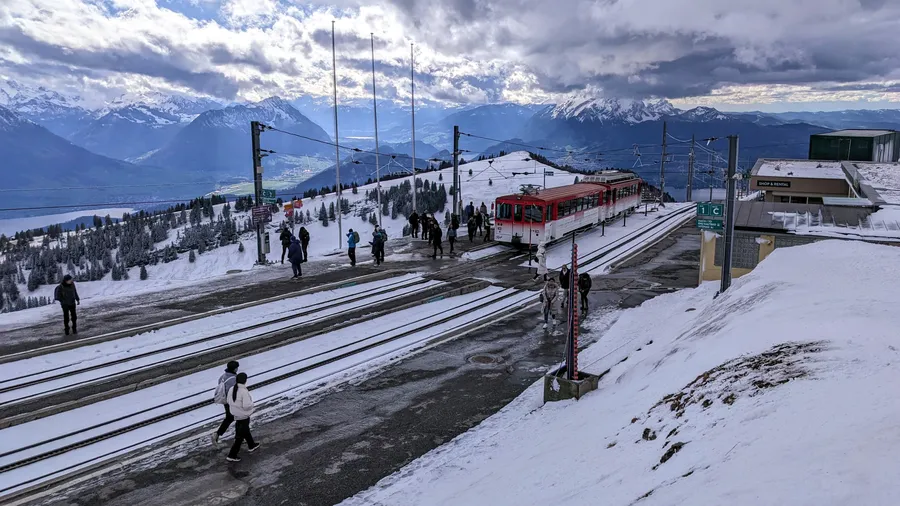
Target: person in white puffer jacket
<point>241,405</point>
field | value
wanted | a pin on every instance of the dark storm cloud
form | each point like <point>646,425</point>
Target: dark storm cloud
<point>172,67</point>
<point>690,49</point>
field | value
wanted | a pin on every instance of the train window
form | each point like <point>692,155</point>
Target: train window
<point>504,211</point>
<point>533,213</point>
<point>596,200</point>
<point>517,212</point>
<point>549,212</point>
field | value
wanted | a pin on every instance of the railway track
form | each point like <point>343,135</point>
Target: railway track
<point>37,454</point>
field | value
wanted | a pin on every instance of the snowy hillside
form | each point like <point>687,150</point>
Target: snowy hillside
<point>778,392</point>
<point>484,185</point>
<point>588,108</point>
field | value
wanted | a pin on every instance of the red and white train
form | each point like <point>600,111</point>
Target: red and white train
<point>549,214</point>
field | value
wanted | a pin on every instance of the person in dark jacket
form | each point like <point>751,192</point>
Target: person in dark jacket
<point>487,228</point>
<point>285,241</point>
<point>426,226</point>
<point>436,240</point>
<point>565,277</point>
<point>470,209</point>
<point>414,224</point>
<point>304,242</point>
<point>377,246</point>
<point>67,295</point>
<point>451,236</point>
<point>472,228</point>
<point>226,383</point>
<point>295,255</point>
<point>479,223</point>
<point>584,288</point>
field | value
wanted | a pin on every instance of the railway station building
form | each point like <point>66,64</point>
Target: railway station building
<point>856,145</point>
<point>799,181</point>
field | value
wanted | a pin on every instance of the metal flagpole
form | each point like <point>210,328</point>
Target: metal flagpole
<point>412,83</point>
<point>375,110</point>
<point>337,148</point>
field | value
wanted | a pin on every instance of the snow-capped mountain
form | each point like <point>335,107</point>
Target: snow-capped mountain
<point>604,110</point>
<point>62,115</point>
<point>129,132</point>
<point>702,114</point>
<point>218,141</point>
<point>182,107</point>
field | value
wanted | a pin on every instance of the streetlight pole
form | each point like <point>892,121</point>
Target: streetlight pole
<point>337,142</point>
<point>375,113</point>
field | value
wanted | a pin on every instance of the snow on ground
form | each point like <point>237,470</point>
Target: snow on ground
<point>780,391</point>
<point>10,226</point>
<point>487,182</point>
<point>597,238</point>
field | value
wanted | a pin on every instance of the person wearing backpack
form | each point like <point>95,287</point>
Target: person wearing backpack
<point>414,224</point>
<point>295,255</point>
<point>285,237</point>
<point>304,243</point>
<point>584,288</point>
<point>226,383</point>
<point>241,405</point>
<point>352,241</point>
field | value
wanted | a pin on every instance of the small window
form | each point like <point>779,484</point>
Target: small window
<point>798,200</point>
<point>504,211</point>
<point>815,200</point>
<point>533,213</point>
<point>606,198</point>
<point>517,213</point>
<point>549,215</point>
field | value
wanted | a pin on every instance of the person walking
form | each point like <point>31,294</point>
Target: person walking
<point>377,245</point>
<point>479,223</point>
<point>67,295</point>
<point>241,405</point>
<point>426,226</point>
<point>384,238</point>
<point>285,241</point>
<point>487,228</point>
<point>471,227</point>
<point>304,242</point>
<point>295,256</point>
<point>470,209</point>
<point>584,288</point>
<point>352,240</point>
<point>414,224</point>
<point>565,278</point>
<point>451,236</point>
<point>548,298</point>
<point>436,240</point>
<point>226,383</point>
<point>483,209</point>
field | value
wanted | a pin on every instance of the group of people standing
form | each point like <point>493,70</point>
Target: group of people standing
<point>295,247</point>
<point>556,288</point>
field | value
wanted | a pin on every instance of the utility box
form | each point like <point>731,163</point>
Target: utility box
<point>266,246</point>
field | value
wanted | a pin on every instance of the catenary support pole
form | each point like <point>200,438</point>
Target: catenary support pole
<point>690,180</point>
<point>257,189</point>
<point>456,195</point>
<point>572,340</point>
<point>412,94</point>
<point>729,213</point>
<point>375,113</point>
<point>337,148</point>
<point>662,168</point>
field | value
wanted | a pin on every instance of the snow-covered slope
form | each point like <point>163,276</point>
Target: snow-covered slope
<point>780,391</point>
<point>61,114</point>
<point>183,107</point>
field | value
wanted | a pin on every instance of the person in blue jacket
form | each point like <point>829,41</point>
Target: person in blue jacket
<point>295,255</point>
<point>352,237</point>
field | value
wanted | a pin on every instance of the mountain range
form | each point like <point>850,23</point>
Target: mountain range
<point>202,139</point>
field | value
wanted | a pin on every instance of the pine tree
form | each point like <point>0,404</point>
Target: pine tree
<point>240,247</point>
<point>331,215</point>
<point>470,171</point>
<point>490,182</point>
<point>308,217</point>
<point>323,215</point>
<point>440,176</point>
<point>192,257</point>
<point>144,275</point>
<point>354,188</point>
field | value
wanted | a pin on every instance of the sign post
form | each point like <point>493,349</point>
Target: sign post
<point>268,196</point>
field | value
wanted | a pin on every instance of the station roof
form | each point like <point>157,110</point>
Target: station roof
<point>782,216</point>
<point>857,133</point>
<point>809,169</point>
<point>884,177</point>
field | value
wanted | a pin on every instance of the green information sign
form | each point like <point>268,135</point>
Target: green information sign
<point>707,224</point>
<point>710,209</point>
<point>268,196</point>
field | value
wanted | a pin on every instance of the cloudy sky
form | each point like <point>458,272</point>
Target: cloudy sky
<point>732,54</point>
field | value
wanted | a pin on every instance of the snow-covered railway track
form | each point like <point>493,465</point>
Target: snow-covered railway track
<point>36,454</point>
<point>619,250</point>
<point>35,389</point>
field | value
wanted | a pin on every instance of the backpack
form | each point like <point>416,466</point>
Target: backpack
<point>356,237</point>
<point>219,396</point>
